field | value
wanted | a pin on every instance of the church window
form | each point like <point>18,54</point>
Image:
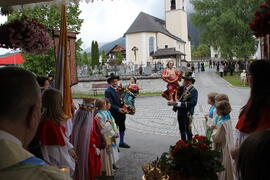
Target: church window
<point>183,4</point>
<point>173,5</point>
<point>166,46</point>
<point>151,45</point>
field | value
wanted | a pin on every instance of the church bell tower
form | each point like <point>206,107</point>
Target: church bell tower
<point>176,18</point>
<point>176,21</point>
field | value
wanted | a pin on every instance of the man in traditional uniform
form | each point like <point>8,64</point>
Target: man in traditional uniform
<point>185,107</point>
<point>117,110</point>
<point>20,101</point>
<point>171,75</point>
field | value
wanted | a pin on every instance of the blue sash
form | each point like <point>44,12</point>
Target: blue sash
<point>211,111</point>
<point>33,161</point>
<point>222,119</point>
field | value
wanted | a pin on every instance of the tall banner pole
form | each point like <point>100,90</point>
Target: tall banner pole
<point>63,82</point>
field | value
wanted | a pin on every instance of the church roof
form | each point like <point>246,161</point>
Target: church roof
<point>166,52</point>
<point>147,23</point>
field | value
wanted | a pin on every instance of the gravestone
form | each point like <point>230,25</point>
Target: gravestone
<point>147,70</point>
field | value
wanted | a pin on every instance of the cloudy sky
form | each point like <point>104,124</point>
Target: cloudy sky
<point>108,20</point>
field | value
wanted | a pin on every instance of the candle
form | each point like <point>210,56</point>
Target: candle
<point>66,172</point>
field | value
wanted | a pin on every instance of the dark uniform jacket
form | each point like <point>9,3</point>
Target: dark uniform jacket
<point>188,102</point>
<point>115,101</point>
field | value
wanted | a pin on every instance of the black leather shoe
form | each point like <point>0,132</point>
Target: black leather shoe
<point>124,145</point>
<point>115,167</point>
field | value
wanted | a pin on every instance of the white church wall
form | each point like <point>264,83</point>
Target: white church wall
<point>134,40</point>
<point>188,51</point>
<point>164,40</point>
<point>179,27</point>
<point>180,47</point>
<point>141,41</point>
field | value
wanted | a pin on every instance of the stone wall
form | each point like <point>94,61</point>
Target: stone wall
<point>146,86</point>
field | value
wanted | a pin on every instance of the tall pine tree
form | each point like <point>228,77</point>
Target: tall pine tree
<point>95,53</point>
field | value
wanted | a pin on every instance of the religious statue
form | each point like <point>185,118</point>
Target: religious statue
<point>128,95</point>
<point>171,75</point>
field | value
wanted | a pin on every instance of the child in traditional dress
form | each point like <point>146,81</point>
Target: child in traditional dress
<point>221,97</point>
<point>55,145</point>
<point>223,138</point>
<point>110,133</point>
<point>88,142</point>
<point>210,115</point>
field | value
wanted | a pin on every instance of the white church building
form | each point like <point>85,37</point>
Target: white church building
<point>150,39</point>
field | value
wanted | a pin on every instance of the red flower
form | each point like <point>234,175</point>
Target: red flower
<point>175,149</point>
<point>201,138</point>
<point>203,146</point>
<point>263,6</point>
<point>186,145</point>
<point>180,142</point>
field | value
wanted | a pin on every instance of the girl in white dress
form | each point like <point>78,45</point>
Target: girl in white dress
<point>223,138</point>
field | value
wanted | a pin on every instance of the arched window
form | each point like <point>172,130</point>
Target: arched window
<point>151,45</point>
<point>183,4</point>
<point>173,5</point>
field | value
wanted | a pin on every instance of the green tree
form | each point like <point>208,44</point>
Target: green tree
<point>50,17</point>
<point>94,53</point>
<point>104,57</point>
<point>202,51</point>
<point>225,25</point>
<point>119,58</point>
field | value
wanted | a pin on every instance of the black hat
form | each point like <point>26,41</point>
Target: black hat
<point>112,77</point>
<point>188,76</point>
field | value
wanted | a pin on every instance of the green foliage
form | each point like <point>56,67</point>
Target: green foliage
<point>84,59</point>
<point>50,17</point>
<point>225,25</point>
<point>235,80</point>
<point>104,57</point>
<point>203,51</point>
<point>40,65</point>
<point>119,58</point>
<point>94,53</point>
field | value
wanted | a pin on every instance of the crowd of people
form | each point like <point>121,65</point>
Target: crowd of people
<point>245,159</point>
<point>34,137</point>
<point>32,120</point>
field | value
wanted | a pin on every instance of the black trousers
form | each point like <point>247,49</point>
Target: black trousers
<point>184,126</point>
<point>120,121</point>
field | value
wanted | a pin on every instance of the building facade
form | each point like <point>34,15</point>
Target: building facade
<point>150,39</point>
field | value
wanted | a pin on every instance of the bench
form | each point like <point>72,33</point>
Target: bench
<point>98,87</point>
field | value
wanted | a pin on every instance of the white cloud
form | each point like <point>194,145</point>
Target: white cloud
<point>105,21</point>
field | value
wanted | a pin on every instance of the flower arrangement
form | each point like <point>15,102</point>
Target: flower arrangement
<point>27,34</point>
<point>260,25</point>
<point>186,160</point>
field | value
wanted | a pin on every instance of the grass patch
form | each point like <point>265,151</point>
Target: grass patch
<point>79,96</point>
<point>234,80</point>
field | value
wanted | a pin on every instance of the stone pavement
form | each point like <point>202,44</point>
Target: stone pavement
<point>154,126</point>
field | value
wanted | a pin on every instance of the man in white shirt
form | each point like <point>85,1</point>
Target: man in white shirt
<point>20,101</point>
